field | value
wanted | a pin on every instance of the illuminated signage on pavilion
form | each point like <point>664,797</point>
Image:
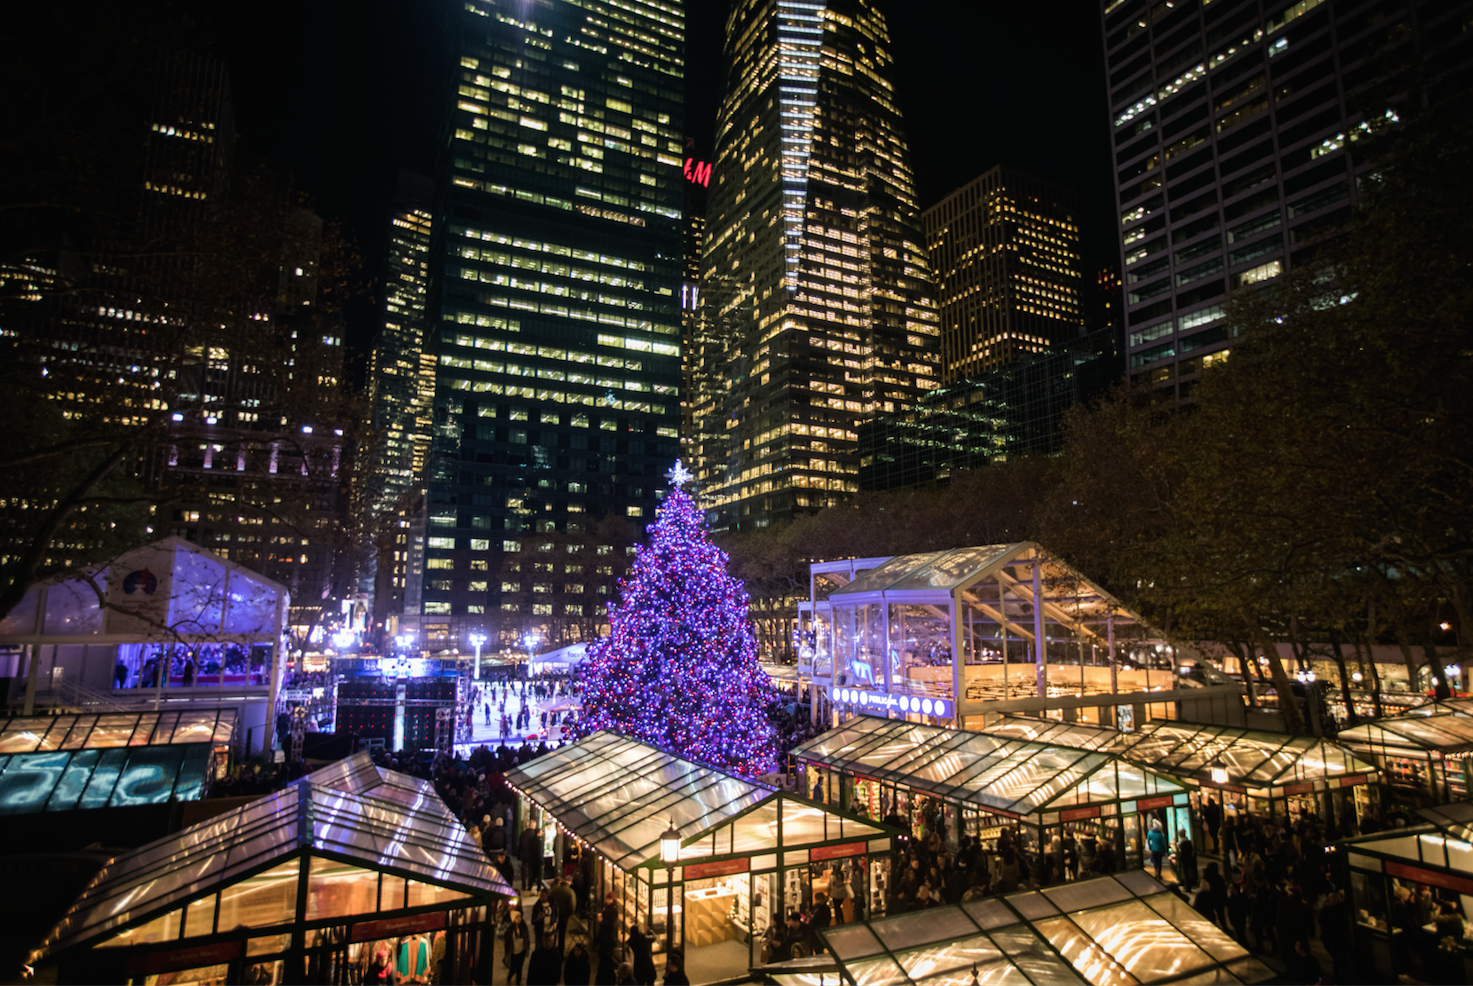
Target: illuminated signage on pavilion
<point>884,701</point>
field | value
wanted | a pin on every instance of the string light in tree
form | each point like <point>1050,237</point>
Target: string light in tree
<point>679,668</point>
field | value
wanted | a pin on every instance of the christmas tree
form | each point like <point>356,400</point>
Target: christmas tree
<point>679,669</point>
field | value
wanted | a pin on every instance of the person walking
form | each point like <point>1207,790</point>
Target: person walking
<point>675,969</point>
<point>530,851</point>
<point>607,940</point>
<point>517,942</point>
<point>1156,844</point>
<point>546,965</point>
<point>1186,861</point>
<point>641,949</point>
<point>564,903</point>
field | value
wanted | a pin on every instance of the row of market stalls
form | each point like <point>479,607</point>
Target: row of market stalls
<point>306,885</point>
<point>1101,785</point>
<point>1423,752</point>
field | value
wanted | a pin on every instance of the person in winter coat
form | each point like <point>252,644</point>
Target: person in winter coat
<point>578,969</point>
<point>546,965</point>
<point>641,951</point>
<point>1186,861</point>
<point>607,940</point>
<point>675,969</point>
<point>517,943</point>
<point>495,838</point>
<point>530,851</point>
<point>1156,842</point>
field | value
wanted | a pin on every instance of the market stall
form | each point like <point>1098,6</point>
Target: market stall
<point>1411,891</point>
<point>305,885</point>
<point>1108,931</point>
<point>1423,752</point>
<point>975,784</point>
<point>1273,775</point>
<point>57,763</point>
<point>747,852</point>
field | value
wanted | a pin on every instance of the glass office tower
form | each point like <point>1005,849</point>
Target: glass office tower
<point>1235,125</point>
<point>817,307</point>
<point>555,288</point>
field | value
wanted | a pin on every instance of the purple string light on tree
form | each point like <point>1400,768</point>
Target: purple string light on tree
<point>679,668</point>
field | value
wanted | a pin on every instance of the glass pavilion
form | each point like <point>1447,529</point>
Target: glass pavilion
<point>1424,751</point>
<point>1396,878</point>
<point>747,852</point>
<point>940,637</point>
<point>975,783</point>
<point>1108,931</point>
<point>295,887</point>
<point>118,760</point>
<point>1273,775</point>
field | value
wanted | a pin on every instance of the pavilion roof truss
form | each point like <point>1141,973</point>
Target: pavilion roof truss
<point>1437,729</point>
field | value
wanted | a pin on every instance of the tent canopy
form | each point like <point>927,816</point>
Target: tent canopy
<point>1255,761</point>
<point>1003,775</point>
<point>1109,931</point>
<point>562,659</point>
<point>619,795</point>
<point>338,828</point>
<point>170,590</point>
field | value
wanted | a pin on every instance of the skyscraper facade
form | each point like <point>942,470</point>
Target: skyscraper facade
<point>1005,252</point>
<point>401,386</point>
<point>1234,126</point>
<point>555,290</point>
<point>817,308</point>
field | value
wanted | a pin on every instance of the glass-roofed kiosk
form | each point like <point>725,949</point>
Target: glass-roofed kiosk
<point>1273,775</point>
<point>748,852</point>
<point>1411,891</point>
<point>975,784</point>
<point>296,887</point>
<point>1108,931</point>
<point>945,637</point>
<point>1423,752</point>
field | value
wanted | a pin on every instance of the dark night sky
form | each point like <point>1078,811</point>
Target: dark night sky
<point>345,93</point>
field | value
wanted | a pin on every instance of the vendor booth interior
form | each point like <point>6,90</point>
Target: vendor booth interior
<point>305,885</point>
<point>1109,931</point>
<point>976,784</point>
<point>944,637</point>
<point>730,854</point>
<point>1411,891</point>
<point>1422,753</point>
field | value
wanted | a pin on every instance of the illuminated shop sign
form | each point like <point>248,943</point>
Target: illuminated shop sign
<point>860,699</point>
<point>698,172</point>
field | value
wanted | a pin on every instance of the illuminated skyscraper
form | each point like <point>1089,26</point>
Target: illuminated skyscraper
<point>817,306</point>
<point>555,291</point>
<point>401,390</point>
<point>1005,248</point>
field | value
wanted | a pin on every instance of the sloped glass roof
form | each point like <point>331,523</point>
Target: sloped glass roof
<point>1253,759</point>
<point>1083,735</point>
<point>1442,727</point>
<point>1444,840</point>
<point>619,795</point>
<point>1013,776</point>
<point>36,734</point>
<point>1110,930</point>
<point>422,842</point>
<point>66,780</point>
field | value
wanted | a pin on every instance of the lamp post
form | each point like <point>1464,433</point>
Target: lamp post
<point>478,639</point>
<point>669,855</point>
<point>531,641</point>
<point>1219,771</point>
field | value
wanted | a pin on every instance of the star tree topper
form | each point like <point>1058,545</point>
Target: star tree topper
<point>679,475</point>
